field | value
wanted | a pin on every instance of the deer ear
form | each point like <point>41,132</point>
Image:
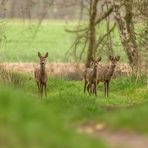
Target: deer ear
<point>118,58</point>
<point>110,57</point>
<point>46,55</point>
<point>39,55</point>
<point>99,59</point>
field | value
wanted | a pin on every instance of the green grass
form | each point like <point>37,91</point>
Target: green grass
<point>129,120</point>
<point>21,44</point>
<point>20,41</point>
<point>26,121</point>
<point>124,92</point>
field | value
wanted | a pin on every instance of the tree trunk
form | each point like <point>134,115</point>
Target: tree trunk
<point>92,32</point>
<point>126,30</point>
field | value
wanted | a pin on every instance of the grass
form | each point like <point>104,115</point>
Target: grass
<point>68,96</point>
<point>25,37</point>
<point>20,41</point>
<point>26,121</point>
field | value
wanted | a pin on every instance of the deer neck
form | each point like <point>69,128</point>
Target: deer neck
<point>111,69</point>
<point>42,70</point>
<point>95,71</point>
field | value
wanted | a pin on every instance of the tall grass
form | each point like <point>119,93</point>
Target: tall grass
<point>11,78</point>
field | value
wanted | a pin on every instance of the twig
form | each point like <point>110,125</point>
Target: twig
<point>105,35</point>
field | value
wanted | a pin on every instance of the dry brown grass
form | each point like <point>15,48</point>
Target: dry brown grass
<point>67,70</point>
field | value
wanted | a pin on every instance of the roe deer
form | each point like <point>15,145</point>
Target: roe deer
<point>105,72</point>
<point>40,74</point>
<point>90,77</point>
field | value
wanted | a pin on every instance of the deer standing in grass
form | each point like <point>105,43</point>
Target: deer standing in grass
<point>40,74</point>
<point>91,77</point>
<point>105,72</point>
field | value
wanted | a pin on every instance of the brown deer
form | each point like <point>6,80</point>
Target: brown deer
<point>105,72</point>
<point>91,77</point>
<point>40,74</point>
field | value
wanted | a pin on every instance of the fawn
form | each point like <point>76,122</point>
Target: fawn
<point>90,77</point>
<point>105,73</point>
<point>40,74</point>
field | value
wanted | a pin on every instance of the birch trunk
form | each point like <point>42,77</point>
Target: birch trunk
<point>126,31</point>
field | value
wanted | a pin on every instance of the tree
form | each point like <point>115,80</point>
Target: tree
<point>125,24</point>
<point>92,32</point>
<point>88,34</point>
<point>127,33</point>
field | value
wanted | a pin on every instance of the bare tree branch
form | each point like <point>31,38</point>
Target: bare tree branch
<point>100,40</point>
<point>103,16</point>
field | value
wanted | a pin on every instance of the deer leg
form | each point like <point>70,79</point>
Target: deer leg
<point>45,87</point>
<point>95,88</point>
<point>94,91</point>
<point>88,88</point>
<point>105,88</point>
<point>85,84</point>
<point>107,91</point>
<point>92,88</point>
<point>96,85</point>
<point>38,84</point>
<point>41,90</point>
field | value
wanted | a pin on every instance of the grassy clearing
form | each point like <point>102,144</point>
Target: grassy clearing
<point>22,39</point>
<point>26,121</point>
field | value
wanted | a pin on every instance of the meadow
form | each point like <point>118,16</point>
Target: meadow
<point>20,41</point>
<point>28,121</point>
<point>53,122</point>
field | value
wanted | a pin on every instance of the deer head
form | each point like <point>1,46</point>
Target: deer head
<point>114,59</point>
<point>94,62</point>
<point>42,58</point>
